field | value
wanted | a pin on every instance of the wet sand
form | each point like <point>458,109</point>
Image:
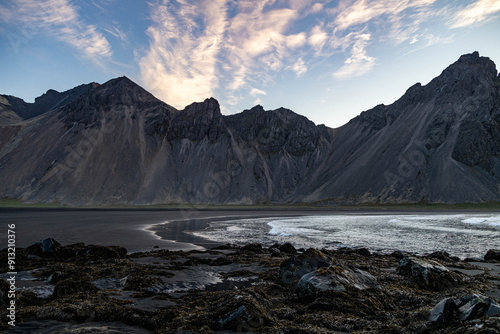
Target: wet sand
<point>138,230</point>
<point>131,229</point>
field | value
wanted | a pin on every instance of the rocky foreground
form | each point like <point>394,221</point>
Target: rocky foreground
<point>96,289</point>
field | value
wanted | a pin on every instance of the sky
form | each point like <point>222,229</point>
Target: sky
<point>326,60</point>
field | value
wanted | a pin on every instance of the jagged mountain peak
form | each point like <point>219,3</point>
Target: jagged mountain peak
<point>468,69</point>
<point>208,106</point>
<point>123,86</point>
<point>439,143</point>
<point>471,75</point>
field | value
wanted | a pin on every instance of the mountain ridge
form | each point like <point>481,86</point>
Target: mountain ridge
<point>116,143</point>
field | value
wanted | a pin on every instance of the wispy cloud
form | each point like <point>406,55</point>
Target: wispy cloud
<point>185,40</point>
<point>359,62</point>
<point>196,48</point>
<point>199,49</point>
<point>59,19</point>
<point>255,91</point>
<point>299,67</point>
<point>117,32</point>
<point>480,11</point>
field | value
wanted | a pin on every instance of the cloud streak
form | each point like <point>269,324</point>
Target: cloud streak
<point>185,40</point>
<point>478,12</point>
<point>200,49</point>
<point>59,19</point>
<point>359,62</point>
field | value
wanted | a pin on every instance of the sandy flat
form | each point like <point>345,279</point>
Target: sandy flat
<point>127,228</point>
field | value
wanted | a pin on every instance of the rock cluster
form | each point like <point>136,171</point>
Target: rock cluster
<point>467,308</point>
<point>248,288</point>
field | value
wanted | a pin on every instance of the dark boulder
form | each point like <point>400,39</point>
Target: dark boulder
<point>275,252</point>
<point>492,255</point>
<point>445,311</point>
<point>467,308</point>
<point>254,247</point>
<point>476,306</point>
<point>45,247</point>
<point>287,248</point>
<point>244,312</point>
<point>334,278</point>
<point>443,256</point>
<point>428,274</point>
<point>297,266</point>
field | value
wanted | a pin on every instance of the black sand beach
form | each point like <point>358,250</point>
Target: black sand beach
<point>134,228</point>
<point>183,284</point>
<point>126,228</point>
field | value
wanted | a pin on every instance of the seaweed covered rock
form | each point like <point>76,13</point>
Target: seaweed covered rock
<point>135,282</point>
<point>445,311</point>
<point>297,266</point>
<point>254,247</point>
<point>492,255</point>
<point>69,288</point>
<point>287,248</point>
<point>443,256</point>
<point>467,308</point>
<point>476,306</point>
<point>44,247</point>
<point>95,252</point>
<point>427,274</point>
<point>243,312</point>
<point>4,288</point>
<point>51,248</point>
<point>334,278</point>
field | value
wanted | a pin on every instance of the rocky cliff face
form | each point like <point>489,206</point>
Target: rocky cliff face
<point>116,143</point>
<point>437,143</point>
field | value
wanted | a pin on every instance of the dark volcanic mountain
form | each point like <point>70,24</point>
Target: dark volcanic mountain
<point>116,143</point>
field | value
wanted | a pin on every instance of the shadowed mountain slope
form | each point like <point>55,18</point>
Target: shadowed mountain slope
<point>115,143</point>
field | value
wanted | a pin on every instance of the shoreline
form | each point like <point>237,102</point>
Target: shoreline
<point>159,229</point>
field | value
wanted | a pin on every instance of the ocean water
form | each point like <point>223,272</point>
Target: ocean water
<point>462,235</point>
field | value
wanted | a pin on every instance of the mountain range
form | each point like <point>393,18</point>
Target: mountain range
<point>116,143</point>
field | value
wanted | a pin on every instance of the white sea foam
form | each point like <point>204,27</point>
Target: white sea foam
<point>464,235</point>
<point>285,228</point>
<point>488,220</point>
